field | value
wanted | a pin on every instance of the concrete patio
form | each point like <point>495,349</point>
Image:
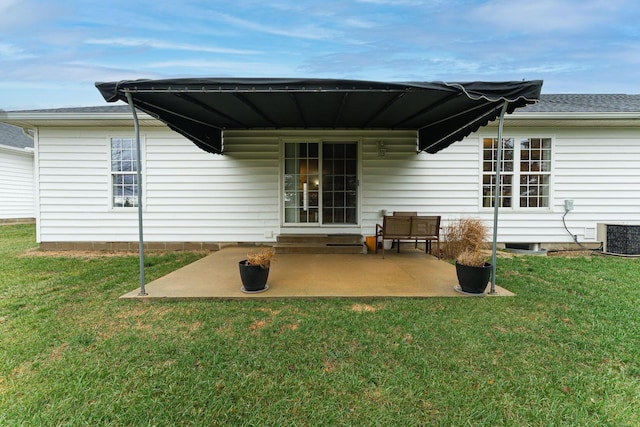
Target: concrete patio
<point>411,273</point>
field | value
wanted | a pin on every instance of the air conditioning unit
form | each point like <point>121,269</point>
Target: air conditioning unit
<point>620,239</point>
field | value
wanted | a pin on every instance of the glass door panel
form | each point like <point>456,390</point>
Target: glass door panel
<point>339,183</point>
<point>301,183</point>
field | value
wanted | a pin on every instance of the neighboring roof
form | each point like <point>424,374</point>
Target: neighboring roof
<point>440,113</point>
<point>13,136</point>
<point>83,110</point>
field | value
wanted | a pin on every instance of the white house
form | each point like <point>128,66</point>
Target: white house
<point>571,162</point>
<point>17,194</point>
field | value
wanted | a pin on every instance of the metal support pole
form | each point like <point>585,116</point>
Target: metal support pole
<point>139,190</point>
<point>496,201</point>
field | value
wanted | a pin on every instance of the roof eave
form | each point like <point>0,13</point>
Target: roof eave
<point>34,119</point>
<point>591,115</point>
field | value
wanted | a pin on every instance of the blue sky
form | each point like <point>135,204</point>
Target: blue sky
<point>52,53</point>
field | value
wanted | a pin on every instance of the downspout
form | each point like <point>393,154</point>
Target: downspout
<point>496,201</point>
<point>139,190</point>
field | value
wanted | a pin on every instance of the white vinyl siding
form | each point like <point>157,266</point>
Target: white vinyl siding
<point>197,196</point>
<point>190,195</point>
<point>16,183</point>
<point>402,180</point>
<point>597,168</point>
<point>194,196</point>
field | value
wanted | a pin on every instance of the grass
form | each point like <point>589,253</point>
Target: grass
<point>564,351</point>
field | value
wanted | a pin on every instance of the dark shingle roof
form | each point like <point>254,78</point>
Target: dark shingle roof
<point>585,103</point>
<point>14,137</point>
<point>549,103</point>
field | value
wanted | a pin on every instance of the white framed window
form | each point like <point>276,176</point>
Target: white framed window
<point>525,175</point>
<point>124,179</point>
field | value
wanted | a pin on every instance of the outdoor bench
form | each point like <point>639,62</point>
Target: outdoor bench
<point>415,228</point>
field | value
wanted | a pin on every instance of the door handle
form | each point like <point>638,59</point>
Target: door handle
<point>305,197</point>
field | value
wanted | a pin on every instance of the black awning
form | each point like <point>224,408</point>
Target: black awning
<point>440,113</point>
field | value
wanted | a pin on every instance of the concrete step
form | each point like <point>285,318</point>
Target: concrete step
<point>317,248</point>
<point>319,244</point>
<point>338,239</point>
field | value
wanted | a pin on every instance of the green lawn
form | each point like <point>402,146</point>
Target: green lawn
<point>564,351</point>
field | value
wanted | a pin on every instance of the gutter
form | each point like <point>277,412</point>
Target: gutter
<point>27,151</point>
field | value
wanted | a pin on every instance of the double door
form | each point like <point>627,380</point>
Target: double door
<point>320,183</point>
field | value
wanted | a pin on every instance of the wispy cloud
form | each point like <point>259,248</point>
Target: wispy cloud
<point>158,44</point>
<point>220,68</point>
<point>17,15</point>
<point>7,4</point>
<point>10,52</point>
<point>307,31</point>
<point>548,15</point>
<point>399,2</point>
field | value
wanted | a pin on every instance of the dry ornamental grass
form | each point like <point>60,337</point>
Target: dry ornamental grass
<point>464,240</point>
<point>262,257</point>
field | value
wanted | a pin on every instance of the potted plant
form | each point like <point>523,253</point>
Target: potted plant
<point>466,238</point>
<point>254,270</point>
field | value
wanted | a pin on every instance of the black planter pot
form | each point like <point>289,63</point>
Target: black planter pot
<point>254,277</point>
<point>473,280</point>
